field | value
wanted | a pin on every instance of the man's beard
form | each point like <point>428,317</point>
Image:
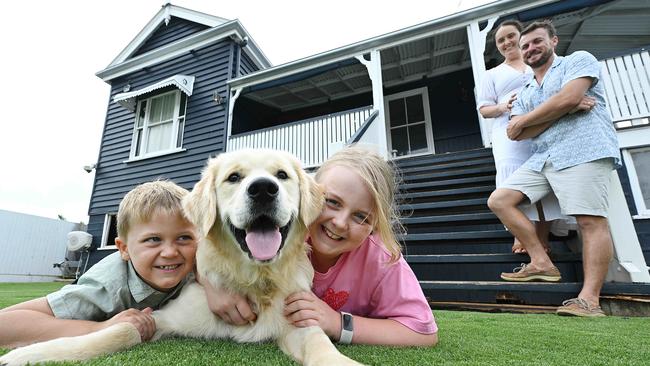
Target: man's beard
<point>545,56</point>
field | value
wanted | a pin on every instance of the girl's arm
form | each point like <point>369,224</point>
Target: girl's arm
<point>305,309</point>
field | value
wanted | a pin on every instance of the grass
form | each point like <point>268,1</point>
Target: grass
<point>466,338</point>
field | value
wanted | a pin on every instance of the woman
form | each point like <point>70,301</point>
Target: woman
<point>498,91</point>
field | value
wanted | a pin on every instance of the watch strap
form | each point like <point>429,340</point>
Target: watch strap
<point>347,328</point>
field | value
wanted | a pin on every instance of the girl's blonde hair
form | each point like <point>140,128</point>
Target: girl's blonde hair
<point>147,199</point>
<point>381,179</point>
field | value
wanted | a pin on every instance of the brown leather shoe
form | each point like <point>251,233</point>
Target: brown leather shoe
<point>579,307</point>
<point>525,274</point>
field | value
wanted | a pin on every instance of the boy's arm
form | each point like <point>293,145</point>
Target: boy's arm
<point>565,101</point>
<point>33,321</point>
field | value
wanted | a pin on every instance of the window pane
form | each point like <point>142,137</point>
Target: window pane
<point>181,125</point>
<point>159,137</point>
<point>143,111</point>
<point>138,141</point>
<point>418,138</point>
<point>168,106</point>
<point>414,108</point>
<point>397,112</point>
<point>641,160</point>
<point>156,110</point>
<point>181,110</point>
<point>399,140</point>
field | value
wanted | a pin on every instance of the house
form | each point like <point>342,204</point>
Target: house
<point>190,86</point>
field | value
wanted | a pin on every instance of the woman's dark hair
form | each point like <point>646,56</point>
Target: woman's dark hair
<point>513,22</point>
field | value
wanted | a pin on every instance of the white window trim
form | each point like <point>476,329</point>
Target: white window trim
<point>424,91</point>
<point>107,229</point>
<point>643,212</point>
<point>145,128</point>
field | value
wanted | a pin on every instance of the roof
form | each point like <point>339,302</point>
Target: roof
<point>440,46</point>
<point>220,28</point>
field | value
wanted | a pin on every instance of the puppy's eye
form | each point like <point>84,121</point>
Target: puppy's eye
<point>281,174</point>
<point>234,178</point>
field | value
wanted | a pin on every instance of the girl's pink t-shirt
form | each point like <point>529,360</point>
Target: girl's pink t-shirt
<point>363,283</point>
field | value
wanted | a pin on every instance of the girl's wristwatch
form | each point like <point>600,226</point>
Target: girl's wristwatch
<point>347,328</point>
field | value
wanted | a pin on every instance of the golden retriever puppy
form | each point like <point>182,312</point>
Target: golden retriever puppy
<point>252,208</point>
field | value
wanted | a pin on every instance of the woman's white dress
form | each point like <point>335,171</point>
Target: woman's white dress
<point>497,87</point>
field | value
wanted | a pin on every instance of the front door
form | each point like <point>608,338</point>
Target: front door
<point>408,122</point>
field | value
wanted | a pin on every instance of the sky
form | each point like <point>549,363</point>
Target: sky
<point>54,107</point>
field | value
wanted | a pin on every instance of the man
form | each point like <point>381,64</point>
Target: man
<point>574,151</point>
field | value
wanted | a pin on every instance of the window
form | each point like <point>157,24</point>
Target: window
<point>637,162</point>
<point>110,231</point>
<point>409,123</point>
<point>159,124</point>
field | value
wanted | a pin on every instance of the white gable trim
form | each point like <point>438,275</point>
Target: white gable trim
<point>230,29</point>
<point>129,99</point>
<point>164,15</point>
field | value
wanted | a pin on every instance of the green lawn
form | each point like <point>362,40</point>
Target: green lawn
<point>466,338</point>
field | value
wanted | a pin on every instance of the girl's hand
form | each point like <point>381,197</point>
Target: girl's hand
<point>142,320</point>
<point>304,309</point>
<point>511,101</point>
<point>231,308</point>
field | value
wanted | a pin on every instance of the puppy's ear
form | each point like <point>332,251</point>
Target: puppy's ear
<point>312,195</point>
<point>200,205</point>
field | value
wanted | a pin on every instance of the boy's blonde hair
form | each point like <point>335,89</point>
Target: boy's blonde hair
<point>381,179</point>
<point>147,199</point>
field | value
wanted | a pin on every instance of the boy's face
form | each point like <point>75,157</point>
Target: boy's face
<point>162,250</point>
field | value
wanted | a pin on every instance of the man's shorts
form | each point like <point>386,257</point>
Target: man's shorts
<point>580,189</point>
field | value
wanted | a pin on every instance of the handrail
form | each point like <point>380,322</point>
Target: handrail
<point>366,124</point>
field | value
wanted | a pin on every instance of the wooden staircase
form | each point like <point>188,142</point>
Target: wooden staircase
<point>457,247</point>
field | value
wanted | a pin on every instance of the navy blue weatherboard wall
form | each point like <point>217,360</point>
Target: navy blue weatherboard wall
<point>204,134</point>
<point>165,34</point>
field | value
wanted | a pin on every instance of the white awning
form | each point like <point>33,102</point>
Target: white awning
<point>183,82</point>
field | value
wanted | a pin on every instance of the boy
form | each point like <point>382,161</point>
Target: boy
<point>157,246</point>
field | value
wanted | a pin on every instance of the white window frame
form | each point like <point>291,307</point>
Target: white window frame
<point>424,91</point>
<point>108,219</point>
<point>641,209</point>
<point>175,145</point>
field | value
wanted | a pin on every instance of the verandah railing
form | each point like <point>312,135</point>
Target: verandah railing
<point>627,86</point>
<point>312,140</point>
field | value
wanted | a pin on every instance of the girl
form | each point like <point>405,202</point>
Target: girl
<point>363,290</point>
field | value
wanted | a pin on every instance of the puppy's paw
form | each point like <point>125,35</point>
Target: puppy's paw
<point>22,356</point>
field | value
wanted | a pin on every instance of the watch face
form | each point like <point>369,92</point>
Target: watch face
<point>347,322</point>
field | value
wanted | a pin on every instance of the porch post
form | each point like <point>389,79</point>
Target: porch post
<point>234,94</point>
<point>476,39</point>
<point>376,132</point>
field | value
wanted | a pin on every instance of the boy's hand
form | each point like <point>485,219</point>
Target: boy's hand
<point>304,309</point>
<point>142,320</point>
<point>231,308</point>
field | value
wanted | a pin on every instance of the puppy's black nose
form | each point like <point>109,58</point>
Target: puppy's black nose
<point>263,190</point>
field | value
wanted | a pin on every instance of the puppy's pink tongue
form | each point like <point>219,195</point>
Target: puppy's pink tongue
<point>263,245</point>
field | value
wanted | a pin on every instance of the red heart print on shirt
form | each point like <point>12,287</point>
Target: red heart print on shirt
<point>335,300</point>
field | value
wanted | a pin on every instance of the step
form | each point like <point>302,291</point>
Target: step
<point>464,235</point>
<point>486,258</point>
<point>468,217</point>
<point>609,288</point>
<point>448,166</point>
<point>527,293</point>
<point>441,158</point>
<point>429,185</point>
<point>489,170</point>
<point>442,204</point>
<point>482,190</point>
